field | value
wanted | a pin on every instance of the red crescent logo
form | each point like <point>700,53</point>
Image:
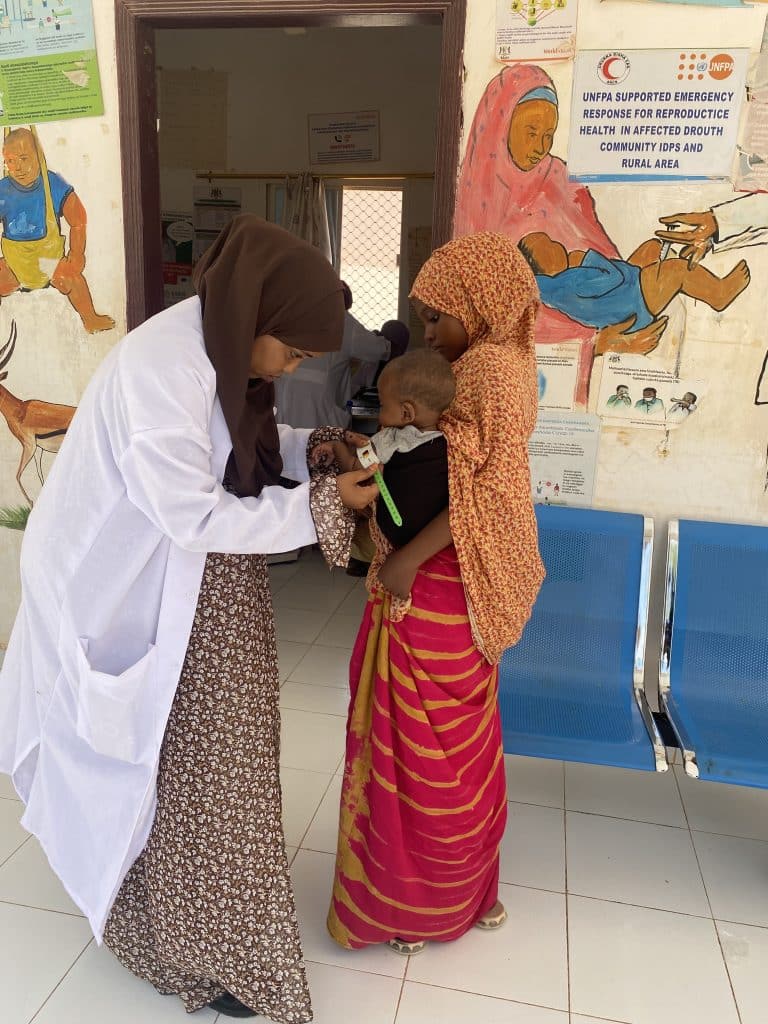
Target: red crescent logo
<point>606,68</point>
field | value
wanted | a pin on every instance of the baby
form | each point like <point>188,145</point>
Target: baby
<point>414,392</point>
<point>597,291</point>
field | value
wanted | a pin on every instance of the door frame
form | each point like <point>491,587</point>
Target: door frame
<point>135,25</point>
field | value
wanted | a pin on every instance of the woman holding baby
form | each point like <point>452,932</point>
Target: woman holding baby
<point>423,805</point>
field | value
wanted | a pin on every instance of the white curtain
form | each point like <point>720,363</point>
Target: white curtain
<point>305,213</point>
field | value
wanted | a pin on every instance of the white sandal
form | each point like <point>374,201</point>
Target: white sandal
<point>490,922</point>
<point>406,948</point>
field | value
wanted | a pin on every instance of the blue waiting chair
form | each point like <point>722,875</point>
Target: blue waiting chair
<point>572,688</point>
<point>713,669</point>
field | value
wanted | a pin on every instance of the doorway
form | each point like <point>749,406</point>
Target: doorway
<point>138,22</point>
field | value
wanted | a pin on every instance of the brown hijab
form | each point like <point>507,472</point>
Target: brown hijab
<point>258,279</point>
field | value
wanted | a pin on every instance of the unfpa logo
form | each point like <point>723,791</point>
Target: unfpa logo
<point>721,66</point>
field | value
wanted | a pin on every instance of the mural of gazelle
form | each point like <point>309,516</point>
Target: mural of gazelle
<point>37,426</point>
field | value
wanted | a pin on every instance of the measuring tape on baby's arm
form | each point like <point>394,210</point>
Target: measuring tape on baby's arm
<point>368,458</point>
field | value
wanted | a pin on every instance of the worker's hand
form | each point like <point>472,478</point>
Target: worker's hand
<point>398,573</point>
<point>356,440</point>
<point>357,489</point>
<point>697,232</point>
<point>324,455</point>
<point>621,338</point>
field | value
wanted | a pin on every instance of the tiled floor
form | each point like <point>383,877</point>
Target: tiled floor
<point>633,898</point>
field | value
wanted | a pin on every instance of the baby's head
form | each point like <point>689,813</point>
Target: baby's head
<point>544,256</point>
<point>415,389</point>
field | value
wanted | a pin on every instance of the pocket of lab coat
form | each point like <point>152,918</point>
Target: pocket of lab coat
<point>116,713</point>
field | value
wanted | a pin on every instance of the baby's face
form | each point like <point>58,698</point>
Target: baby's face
<point>391,411</point>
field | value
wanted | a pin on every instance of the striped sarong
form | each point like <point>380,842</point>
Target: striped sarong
<point>423,805</point>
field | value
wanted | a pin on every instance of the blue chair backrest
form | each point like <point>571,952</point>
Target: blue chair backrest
<point>719,649</point>
<point>566,689</point>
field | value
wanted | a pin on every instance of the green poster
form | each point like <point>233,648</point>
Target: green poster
<point>48,65</point>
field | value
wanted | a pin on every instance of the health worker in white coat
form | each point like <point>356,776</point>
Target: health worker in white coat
<point>139,694</point>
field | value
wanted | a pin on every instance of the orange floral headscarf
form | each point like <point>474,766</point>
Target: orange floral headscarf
<point>484,281</point>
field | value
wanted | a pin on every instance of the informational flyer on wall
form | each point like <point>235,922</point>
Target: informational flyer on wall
<point>214,208</point>
<point>649,115</point>
<point>563,455</point>
<point>558,368</point>
<point>344,138</point>
<point>750,173</point>
<point>48,65</point>
<point>178,237</point>
<point>634,394</point>
<point>535,29</point>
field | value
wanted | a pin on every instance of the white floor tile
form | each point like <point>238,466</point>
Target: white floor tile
<point>302,793</point>
<point>291,852</point>
<point>339,996</point>
<point>355,601</point>
<point>288,656</point>
<point>533,849</point>
<point>736,877</point>
<point>324,830</point>
<point>524,961</point>
<point>611,945</point>
<point>623,793</point>
<point>534,780</point>
<point>312,881</point>
<point>7,790</point>
<point>27,878</point>
<point>746,954</point>
<point>36,951</point>
<point>310,597</point>
<point>99,990</point>
<point>634,862</point>
<point>314,743</point>
<point>340,631</point>
<point>425,1004</point>
<point>279,575</point>
<point>727,810</point>
<point>577,1018</point>
<point>12,835</point>
<point>325,700</point>
<point>323,666</point>
<point>299,627</point>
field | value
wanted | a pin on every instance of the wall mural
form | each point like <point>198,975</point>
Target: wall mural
<point>33,203</point>
<point>510,182</point>
<point>39,427</point>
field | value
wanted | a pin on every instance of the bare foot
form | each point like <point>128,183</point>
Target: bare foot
<point>731,285</point>
<point>98,322</point>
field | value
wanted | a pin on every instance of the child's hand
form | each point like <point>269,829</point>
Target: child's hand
<point>324,455</point>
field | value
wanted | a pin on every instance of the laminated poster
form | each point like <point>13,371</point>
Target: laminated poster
<point>648,115</point>
<point>635,394</point>
<point>563,454</point>
<point>558,368</point>
<point>178,237</point>
<point>48,65</point>
<point>751,166</point>
<point>535,29</point>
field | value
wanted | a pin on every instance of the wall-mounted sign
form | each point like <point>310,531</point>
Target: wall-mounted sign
<point>48,65</point>
<point>344,138</point>
<point>535,29</point>
<point>656,114</point>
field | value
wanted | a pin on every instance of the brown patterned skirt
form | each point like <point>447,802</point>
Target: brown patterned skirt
<point>208,906</point>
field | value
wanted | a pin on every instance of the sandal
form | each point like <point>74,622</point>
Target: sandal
<point>406,948</point>
<point>492,920</point>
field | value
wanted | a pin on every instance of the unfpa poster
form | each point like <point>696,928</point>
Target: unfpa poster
<point>656,114</point>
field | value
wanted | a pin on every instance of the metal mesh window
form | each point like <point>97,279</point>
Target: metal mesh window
<point>371,226</point>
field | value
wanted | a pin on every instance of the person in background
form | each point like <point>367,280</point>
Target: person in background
<point>317,395</point>
<point>139,714</point>
<point>424,801</point>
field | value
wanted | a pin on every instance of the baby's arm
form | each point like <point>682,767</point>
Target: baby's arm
<point>325,454</point>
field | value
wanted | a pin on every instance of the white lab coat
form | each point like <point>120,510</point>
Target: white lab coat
<point>316,395</point>
<point>111,568</point>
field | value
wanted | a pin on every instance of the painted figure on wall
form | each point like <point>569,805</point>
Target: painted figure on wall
<point>597,292</point>
<point>38,426</point>
<point>33,202</point>
<point>511,183</point>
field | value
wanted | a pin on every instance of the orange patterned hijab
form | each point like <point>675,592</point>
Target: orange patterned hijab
<point>484,281</point>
